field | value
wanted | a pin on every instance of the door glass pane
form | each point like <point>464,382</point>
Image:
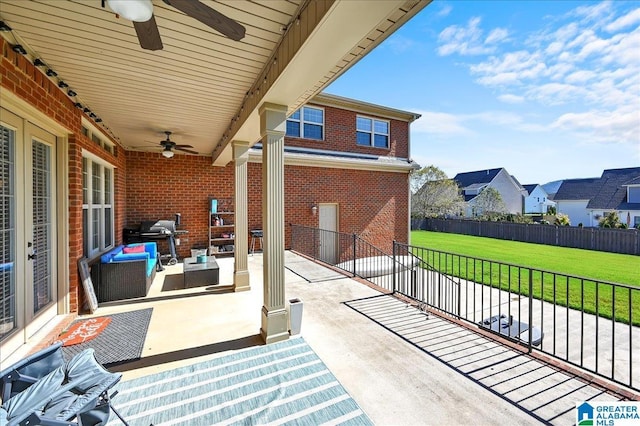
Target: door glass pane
<point>42,226</point>
<point>7,232</point>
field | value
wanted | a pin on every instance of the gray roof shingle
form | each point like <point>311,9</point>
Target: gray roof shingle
<point>612,193</point>
<point>530,187</point>
<point>578,189</point>
<point>481,176</point>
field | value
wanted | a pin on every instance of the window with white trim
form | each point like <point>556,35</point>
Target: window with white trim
<point>97,205</point>
<point>372,132</point>
<point>98,138</point>
<point>307,122</point>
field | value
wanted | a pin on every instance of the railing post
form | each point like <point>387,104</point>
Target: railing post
<point>355,253</point>
<point>531,309</point>
<point>393,280</point>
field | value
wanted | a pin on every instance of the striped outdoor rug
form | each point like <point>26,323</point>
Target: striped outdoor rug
<point>281,383</point>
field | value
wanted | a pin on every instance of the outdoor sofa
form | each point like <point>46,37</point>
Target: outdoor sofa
<point>125,272</point>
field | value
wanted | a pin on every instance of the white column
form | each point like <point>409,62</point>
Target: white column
<point>241,270</point>
<point>272,129</point>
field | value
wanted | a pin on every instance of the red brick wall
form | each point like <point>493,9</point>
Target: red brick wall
<point>29,83</point>
<point>371,204</point>
<point>149,186</point>
<point>159,187</point>
<point>340,135</point>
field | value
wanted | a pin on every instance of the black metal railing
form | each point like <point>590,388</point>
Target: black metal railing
<point>348,252</point>
<point>585,322</point>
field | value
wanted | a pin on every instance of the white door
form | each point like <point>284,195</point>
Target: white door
<point>28,286</point>
<point>328,237</point>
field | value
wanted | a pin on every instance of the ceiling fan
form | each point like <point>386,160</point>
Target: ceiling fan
<point>169,145</point>
<point>140,12</point>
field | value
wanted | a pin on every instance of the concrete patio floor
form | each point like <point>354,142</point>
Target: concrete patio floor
<point>401,367</point>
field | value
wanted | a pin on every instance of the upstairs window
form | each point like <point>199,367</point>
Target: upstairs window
<point>307,122</point>
<point>372,132</point>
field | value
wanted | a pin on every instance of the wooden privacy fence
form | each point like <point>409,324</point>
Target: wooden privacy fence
<point>625,241</point>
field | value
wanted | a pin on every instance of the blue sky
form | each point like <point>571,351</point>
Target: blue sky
<point>547,89</point>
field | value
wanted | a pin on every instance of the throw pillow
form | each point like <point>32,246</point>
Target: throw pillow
<point>133,249</point>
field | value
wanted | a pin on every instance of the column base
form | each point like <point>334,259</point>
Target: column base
<point>241,281</point>
<point>275,325</point>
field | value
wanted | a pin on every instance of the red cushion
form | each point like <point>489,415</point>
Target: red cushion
<point>134,249</point>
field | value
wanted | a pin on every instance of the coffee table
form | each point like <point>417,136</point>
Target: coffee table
<point>200,274</point>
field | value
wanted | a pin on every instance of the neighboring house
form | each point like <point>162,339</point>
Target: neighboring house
<point>537,200</point>
<point>586,201</point>
<point>619,191</point>
<point>473,183</point>
<point>572,198</point>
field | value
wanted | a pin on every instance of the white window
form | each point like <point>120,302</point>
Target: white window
<point>372,132</point>
<point>307,122</point>
<point>97,137</point>
<point>97,205</point>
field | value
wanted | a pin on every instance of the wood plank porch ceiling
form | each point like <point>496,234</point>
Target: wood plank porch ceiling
<point>194,87</point>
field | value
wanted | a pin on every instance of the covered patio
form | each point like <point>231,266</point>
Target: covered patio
<point>400,366</point>
<point>82,85</point>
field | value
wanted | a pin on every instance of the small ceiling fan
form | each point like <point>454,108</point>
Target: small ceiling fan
<point>170,145</point>
<point>140,12</point>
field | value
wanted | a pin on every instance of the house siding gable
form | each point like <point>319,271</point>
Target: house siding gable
<point>511,194</point>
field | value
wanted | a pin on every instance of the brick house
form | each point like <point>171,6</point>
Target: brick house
<point>74,176</point>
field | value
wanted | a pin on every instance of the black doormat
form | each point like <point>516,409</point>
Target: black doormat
<point>121,341</point>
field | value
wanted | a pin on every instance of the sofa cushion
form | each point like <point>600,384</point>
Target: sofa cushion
<point>126,257</point>
<point>133,249</point>
<point>108,256</point>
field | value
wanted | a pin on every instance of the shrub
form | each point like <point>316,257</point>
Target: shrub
<point>610,220</point>
<point>562,220</point>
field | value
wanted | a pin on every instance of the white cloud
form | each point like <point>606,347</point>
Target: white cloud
<point>497,35</point>
<point>580,76</point>
<point>594,12</point>
<point>439,123</point>
<point>624,21</point>
<point>444,11</point>
<point>468,40</point>
<point>511,99</point>
<point>616,126</point>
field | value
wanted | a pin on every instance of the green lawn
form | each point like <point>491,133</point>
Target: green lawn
<point>577,293</point>
<point>617,268</point>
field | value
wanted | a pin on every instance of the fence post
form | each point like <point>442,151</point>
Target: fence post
<point>531,310</point>
<point>394,266</point>
<point>355,254</point>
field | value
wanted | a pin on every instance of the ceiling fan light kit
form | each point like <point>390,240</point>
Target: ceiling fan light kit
<point>167,152</point>
<point>133,10</point>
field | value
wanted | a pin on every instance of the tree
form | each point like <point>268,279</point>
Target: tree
<point>434,194</point>
<point>489,202</point>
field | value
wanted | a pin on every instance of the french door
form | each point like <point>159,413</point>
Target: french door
<point>28,284</point>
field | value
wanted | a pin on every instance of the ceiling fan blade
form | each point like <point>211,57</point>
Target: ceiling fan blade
<point>183,146</point>
<point>148,34</point>
<point>177,148</point>
<point>209,17</point>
